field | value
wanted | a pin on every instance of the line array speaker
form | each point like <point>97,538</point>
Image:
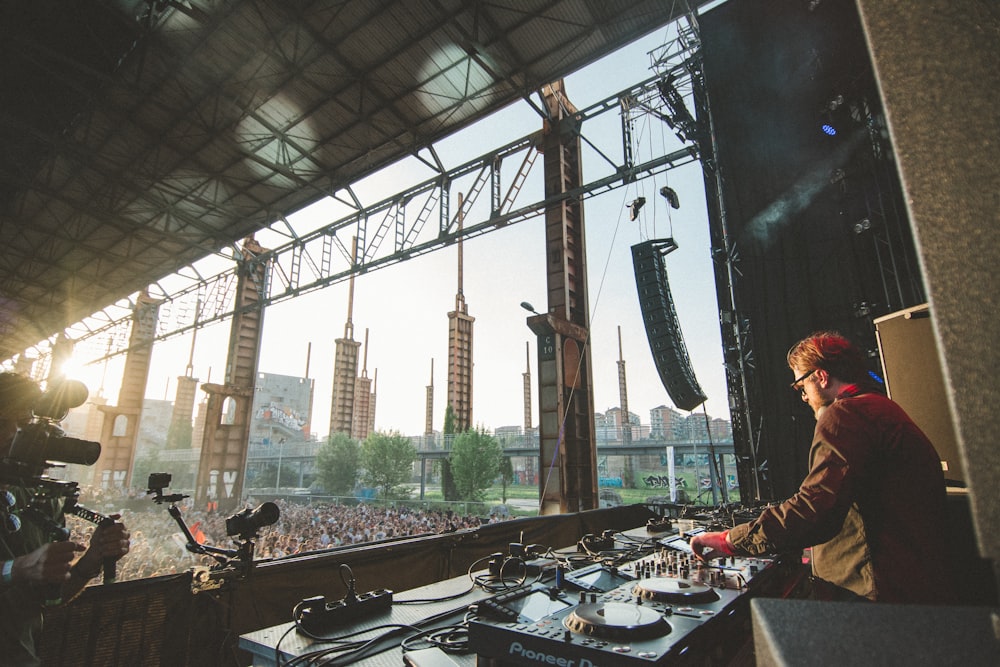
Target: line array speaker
<point>662,329</point>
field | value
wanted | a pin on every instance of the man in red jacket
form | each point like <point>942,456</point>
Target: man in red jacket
<point>872,506</point>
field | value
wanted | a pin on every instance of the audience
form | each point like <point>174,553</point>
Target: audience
<point>158,545</point>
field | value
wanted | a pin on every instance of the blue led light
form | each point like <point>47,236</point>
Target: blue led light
<point>829,129</point>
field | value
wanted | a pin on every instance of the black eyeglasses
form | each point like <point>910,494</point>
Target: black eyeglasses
<point>798,385</point>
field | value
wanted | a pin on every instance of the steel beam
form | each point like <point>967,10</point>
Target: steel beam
<point>307,263</point>
<point>227,423</point>
<point>120,428</point>
<point>567,438</point>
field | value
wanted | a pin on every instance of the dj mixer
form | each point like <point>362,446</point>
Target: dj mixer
<point>662,609</point>
<point>620,599</point>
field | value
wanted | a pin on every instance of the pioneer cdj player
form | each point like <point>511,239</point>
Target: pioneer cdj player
<point>663,609</point>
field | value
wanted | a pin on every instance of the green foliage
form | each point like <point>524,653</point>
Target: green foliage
<point>265,476</point>
<point>338,461</point>
<point>387,459</point>
<point>262,475</point>
<point>449,421</point>
<point>448,489</point>
<point>179,435</point>
<point>475,463</point>
<point>145,464</point>
<point>506,477</point>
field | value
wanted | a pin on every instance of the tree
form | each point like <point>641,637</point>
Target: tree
<point>475,463</point>
<point>449,421</point>
<point>506,477</point>
<point>387,459</point>
<point>448,489</point>
<point>337,463</point>
<point>145,464</point>
<point>263,475</point>
<point>179,435</point>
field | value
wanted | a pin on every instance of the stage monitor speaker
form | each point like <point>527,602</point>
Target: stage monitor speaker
<point>913,379</point>
<point>662,329</point>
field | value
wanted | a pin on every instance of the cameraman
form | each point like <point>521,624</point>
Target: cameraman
<point>37,570</point>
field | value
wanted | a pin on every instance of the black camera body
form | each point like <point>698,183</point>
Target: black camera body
<point>158,481</point>
<point>245,524</point>
<point>42,442</point>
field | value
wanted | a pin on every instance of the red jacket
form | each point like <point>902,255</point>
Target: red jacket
<point>873,506</point>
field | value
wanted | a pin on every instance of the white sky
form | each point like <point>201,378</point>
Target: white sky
<point>405,306</point>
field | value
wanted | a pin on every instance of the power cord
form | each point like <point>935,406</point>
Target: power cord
<point>494,582</point>
<point>347,652</point>
<point>350,583</point>
<point>450,639</point>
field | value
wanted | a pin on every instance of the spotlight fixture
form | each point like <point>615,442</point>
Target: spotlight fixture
<point>838,115</point>
<point>633,208</point>
<point>671,196</point>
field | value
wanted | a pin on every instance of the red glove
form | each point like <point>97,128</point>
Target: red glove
<point>716,544</point>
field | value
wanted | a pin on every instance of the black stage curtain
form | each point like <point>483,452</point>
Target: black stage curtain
<point>796,200</point>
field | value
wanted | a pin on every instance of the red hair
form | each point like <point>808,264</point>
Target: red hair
<point>831,352</point>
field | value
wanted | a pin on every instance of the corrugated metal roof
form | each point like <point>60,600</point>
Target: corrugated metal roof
<point>138,142</point>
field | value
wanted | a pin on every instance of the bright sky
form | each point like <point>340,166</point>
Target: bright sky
<point>405,306</point>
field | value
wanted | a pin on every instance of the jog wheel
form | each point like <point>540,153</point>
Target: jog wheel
<point>618,621</point>
<point>675,591</point>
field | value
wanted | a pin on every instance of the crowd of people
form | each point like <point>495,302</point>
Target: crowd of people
<point>158,545</point>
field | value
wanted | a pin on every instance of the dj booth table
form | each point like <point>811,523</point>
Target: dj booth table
<point>656,609</point>
<point>262,644</point>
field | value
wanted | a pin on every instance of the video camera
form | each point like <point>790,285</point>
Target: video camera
<point>41,443</point>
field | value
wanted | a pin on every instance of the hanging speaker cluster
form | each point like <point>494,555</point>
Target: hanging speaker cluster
<point>662,329</point>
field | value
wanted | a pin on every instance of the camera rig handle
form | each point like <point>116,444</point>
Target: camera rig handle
<point>109,570</point>
<point>45,488</point>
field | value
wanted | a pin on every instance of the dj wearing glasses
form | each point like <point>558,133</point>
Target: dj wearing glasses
<point>873,504</point>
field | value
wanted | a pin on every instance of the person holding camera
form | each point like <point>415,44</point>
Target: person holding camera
<point>38,567</point>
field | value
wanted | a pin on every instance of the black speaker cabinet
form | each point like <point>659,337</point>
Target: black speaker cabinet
<point>662,328</point>
<point>913,378</point>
